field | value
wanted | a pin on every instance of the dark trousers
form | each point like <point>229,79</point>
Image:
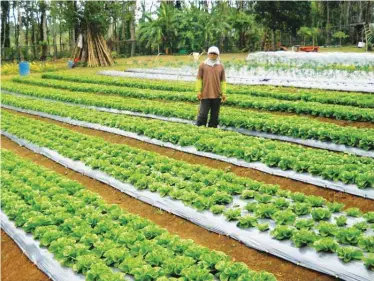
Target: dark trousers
<point>207,105</point>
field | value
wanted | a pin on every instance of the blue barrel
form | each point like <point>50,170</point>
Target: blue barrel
<point>70,64</point>
<point>24,68</point>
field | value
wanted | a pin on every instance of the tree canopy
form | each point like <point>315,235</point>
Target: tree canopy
<point>40,28</point>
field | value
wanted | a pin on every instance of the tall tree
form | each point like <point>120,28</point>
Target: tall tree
<point>282,15</point>
<point>20,40</point>
<point>132,27</point>
<point>93,19</point>
<point>54,16</point>
<point>43,28</point>
<point>5,29</point>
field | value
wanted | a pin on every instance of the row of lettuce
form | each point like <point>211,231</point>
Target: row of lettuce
<point>293,94</point>
<point>343,112</point>
<point>292,126</point>
<point>308,221</point>
<point>95,238</point>
<point>349,169</point>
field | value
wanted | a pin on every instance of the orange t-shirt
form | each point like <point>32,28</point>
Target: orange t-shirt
<point>212,76</point>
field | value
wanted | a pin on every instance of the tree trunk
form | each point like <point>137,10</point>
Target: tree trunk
<point>327,24</point>
<point>15,23</point>
<point>273,39</point>
<point>132,28</point>
<point>360,12</point>
<point>54,39</point>
<point>369,14</point>
<point>27,35</point>
<point>60,34</point>
<point>95,50</point>
<point>5,41</point>
<point>241,36</point>
<point>20,32</point>
<point>124,25</point>
<point>76,26</point>
<point>348,7</point>
<point>123,31</point>
<point>43,29</point>
<point>72,40</point>
<point>33,33</point>
<point>221,41</point>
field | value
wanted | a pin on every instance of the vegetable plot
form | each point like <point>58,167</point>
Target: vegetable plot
<point>329,165</point>
<point>321,96</point>
<point>306,220</point>
<point>93,238</point>
<point>270,104</point>
<point>292,126</point>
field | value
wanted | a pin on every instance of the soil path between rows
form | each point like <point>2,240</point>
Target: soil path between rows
<point>349,200</point>
<point>284,271</point>
<point>15,265</point>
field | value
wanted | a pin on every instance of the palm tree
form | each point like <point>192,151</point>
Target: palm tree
<point>151,32</point>
<point>161,30</point>
<point>189,28</point>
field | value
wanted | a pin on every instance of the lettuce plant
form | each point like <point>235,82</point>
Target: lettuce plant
<point>247,222</point>
<point>232,214</point>
<point>341,220</point>
<point>217,209</point>
<point>369,216</point>
<point>362,226</point>
<point>303,237</point>
<point>349,253</point>
<point>286,217</point>
<point>366,243</point>
<point>327,229</point>
<point>369,261</point>
<point>353,212</point>
<point>335,207</point>
<point>263,227</point>
<point>282,232</point>
<point>349,236</point>
<point>327,244</point>
<point>320,214</point>
<point>304,224</point>
<point>301,208</point>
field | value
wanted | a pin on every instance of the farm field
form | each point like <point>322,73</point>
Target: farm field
<point>114,180</point>
<point>151,140</point>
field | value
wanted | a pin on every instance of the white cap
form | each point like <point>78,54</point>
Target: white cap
<point>214,50</point>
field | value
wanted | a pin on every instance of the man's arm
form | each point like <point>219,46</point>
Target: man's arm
<point>199,88</point>
<point>223,85</point>
<point>199,82</point>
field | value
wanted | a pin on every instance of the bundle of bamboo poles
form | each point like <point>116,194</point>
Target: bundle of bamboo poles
<point>98,54</point>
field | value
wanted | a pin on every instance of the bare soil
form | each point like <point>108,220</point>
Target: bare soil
<point>349,200</point>
<point>284,271</point>
<point>15,265</point>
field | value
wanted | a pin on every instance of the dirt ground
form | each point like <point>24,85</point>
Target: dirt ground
<point>284,271</point>
<point>15,265</point>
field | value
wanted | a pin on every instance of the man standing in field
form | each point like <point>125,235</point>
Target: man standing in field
<point>211,88</point>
